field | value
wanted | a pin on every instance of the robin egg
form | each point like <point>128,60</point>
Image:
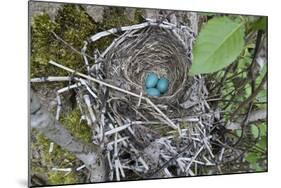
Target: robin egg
<point>153,92</point>
<point>151,80</point>
<point>163,85</point>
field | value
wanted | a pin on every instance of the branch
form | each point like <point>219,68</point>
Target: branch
<point>71,47</point>
<point>45,123</point>
<point>259,115</point>
<point>250,98</point>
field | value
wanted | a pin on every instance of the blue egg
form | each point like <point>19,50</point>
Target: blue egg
<point>163,85</point>
<point>151,80</point>
<point>153,92</point>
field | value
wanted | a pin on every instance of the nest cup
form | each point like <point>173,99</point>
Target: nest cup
<point>140,52</point>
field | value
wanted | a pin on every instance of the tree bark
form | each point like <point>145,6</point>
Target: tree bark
<point>258,115</point>
<point>45,123</point>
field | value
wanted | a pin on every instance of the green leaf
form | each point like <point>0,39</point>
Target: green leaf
<point>255,131</point>
<point>263,128</point>
<point>252,158</point>
<point>218,45</point>
<point>256,167</point>
<point>260,24</point>
<point>239,132</point>
<point>263,142</point>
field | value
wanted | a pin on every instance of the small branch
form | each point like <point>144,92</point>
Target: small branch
<point>193,158</point>
<point>259,115</point>
<point>237,90</point>
<point>252,97</point>
<point>51,79</point>
<point>71,47</point>
<point>173,158</point>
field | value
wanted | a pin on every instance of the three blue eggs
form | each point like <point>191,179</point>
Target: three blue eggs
<point>155,86</point>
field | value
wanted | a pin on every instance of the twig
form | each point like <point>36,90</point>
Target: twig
<point>71,47</point>
<point>116,130</point>
<point>250,98</point>
<point>51,147</point>
<point>259,115</point>
<point>83,51</point>
<point>88,103</point>
<point>80,167</point>
<point>51,79</point>
<point>62,169</point>
<point>175,157</point>
<point>193,158</point>
<point>237,90</point>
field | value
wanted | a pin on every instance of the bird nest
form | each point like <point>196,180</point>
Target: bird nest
<point>165,49</point>
<point>147,137</point>
<point>152,49</point>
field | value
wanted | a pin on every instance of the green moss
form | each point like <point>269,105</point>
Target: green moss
<point>58,158</point>
<point>73,25</point>
<point>42,43</point>
<point>115,17</point>
<point>71,121</point>
<point>60,178</point>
